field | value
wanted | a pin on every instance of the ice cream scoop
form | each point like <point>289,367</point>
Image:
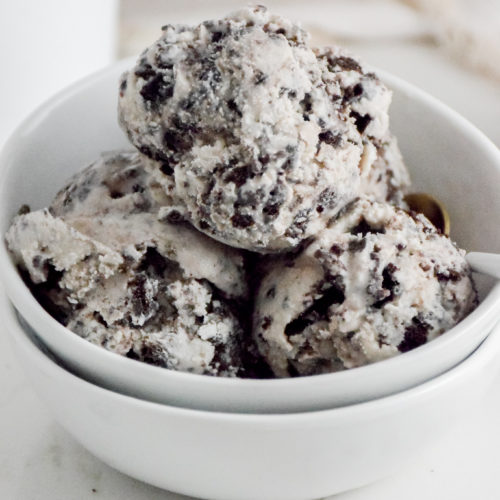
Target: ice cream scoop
<point>104,264</point>
<point>378,282</point>
<point>261,138</point>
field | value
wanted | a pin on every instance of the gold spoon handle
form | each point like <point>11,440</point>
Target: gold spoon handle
<point>485,263</point>
<point>432,208</point>
<point>435,211</point>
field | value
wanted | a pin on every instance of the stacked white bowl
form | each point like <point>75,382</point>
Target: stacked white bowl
<point>234,438</point>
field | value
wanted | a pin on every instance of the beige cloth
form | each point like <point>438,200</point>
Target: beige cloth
<point>470,29</point>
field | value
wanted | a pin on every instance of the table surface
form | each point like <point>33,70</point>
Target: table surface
<point>39,460</point>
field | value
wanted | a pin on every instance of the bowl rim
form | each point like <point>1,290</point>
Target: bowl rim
<point>21,296</point>
<point>479,359</point>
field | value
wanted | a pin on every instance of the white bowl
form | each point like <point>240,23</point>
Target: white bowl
<point>234,456</point>
<point>447,156</point>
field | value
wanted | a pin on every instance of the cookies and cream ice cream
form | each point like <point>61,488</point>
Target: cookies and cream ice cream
<point>117,275</point>
<point>248,142</point>
<point>239,113</point>
<point>378,282</point>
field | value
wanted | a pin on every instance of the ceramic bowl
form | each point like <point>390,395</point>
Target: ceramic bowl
<point>244,457</point>
<point>447,157</point>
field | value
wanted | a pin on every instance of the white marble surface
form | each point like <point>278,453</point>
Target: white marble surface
<point>39,460</point>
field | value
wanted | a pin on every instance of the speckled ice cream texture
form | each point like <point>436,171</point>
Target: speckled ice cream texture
<point>383,174</point>
<point>251,126</point>
<point>105,265</point>
<point>366,100</point>
<point>378,282</point>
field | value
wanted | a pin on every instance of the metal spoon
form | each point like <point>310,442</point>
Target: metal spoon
<point>434,210</point>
